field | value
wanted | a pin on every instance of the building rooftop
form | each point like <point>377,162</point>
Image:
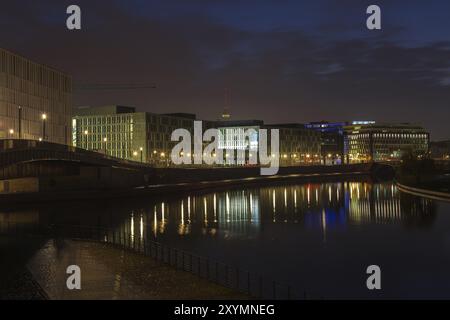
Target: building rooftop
<point>286,125</point>
<point>102,110</point>
<point>240,123</point>
<point>34,62</point>
<point>191,116</point>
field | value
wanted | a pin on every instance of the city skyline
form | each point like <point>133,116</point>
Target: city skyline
<point>208,151</point>
<point>300,61</point>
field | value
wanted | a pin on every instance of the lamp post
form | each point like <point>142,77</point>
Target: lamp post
<point>155,152</point>
<point>20,122</point>
<point>44,118</point>
<point>163,155</point>
<point>11,133</point>
<point>86,138</point>
<point>105,140</point>
<point>141,150</point>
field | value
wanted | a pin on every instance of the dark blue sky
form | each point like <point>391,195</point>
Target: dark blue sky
<point>284,61</point>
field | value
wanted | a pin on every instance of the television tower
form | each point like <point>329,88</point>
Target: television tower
<point>226,111</point>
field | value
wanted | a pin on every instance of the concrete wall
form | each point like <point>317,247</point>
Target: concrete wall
<point>19,185</point>
<point>90,178</point>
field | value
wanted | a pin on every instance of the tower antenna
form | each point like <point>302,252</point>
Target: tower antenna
<point>226,111</point>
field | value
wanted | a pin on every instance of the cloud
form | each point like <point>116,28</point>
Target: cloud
<point>278,74</point>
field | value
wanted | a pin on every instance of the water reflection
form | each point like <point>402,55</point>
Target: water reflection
<point>301,233</point>
<point>243,213</point>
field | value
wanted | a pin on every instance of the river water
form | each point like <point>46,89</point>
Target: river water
<point>318,238</point>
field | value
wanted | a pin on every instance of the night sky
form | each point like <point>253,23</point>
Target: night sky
<point>283,61</point>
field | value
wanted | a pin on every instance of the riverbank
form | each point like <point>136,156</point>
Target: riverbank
<point>109,272</point>
<point>173,180</point>
<point>422,192</point>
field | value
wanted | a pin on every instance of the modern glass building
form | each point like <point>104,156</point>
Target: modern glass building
<point>332,140</point>
<point>35,100</point>
<point>121,132</point>
<point>297,144</point>
<point>384,142</point>
<point>440,150</point>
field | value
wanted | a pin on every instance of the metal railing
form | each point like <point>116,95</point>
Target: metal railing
<point>14,151</point>
<point>248,283</point>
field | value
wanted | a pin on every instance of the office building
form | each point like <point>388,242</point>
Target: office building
<point>297,144</point>
<point>370,141</point>
<point>440,150</point>
<point>121,132</point>
<point>332,140</point>
<point>35,100</point>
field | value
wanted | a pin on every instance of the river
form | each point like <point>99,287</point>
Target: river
<point>318,238</point>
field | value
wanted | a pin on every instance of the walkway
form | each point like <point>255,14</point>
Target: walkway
<point>111,273</point>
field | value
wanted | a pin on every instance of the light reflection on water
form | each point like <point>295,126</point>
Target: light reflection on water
<point>241,213</point>
<point>302,234</point>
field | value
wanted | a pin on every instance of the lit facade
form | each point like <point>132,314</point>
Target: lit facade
<point>332,140</point>
<point>122,132</point>
<point>384,142</point>
<point>440,150</point>
<point>35,100</point>
<point>297,144</point>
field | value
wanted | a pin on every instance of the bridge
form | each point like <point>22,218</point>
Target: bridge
<point>25,158</point>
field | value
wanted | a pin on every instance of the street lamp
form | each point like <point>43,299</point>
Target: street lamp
<point>44,118</point>
<point>11,132</point>
<point>86,138</point>
<point>20,122</point>
<point>141,150</point>
<point>163,157</point>
<point>104,143</point>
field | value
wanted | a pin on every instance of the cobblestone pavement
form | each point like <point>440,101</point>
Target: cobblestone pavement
<point>16,282</point>
<point>111,273</point>
<point>21,286</point>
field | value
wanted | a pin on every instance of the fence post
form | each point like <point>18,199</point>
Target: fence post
<point>176,259</point>
<point>260,287</point>
<point>190,262</point>
<point>217,272</point>
<point>226,275</point>
<point>182,259</point>
<point>248,282</point>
